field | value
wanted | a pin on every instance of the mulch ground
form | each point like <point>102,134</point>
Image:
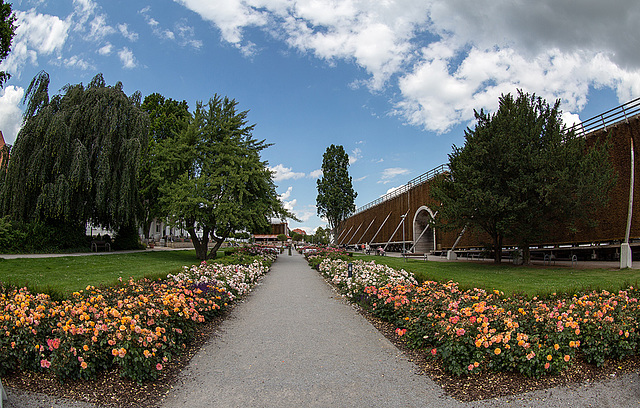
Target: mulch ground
<point>111,390</point>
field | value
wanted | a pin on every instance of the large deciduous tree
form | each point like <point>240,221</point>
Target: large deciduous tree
<point>7,31</point>
<point>167,119</point>
<point>77,157</point>
<point>225,186</point>
<point>521,173</point>
<point>336,197</point>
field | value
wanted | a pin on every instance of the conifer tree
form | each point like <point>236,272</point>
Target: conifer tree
<point>336,197</point>
<point>520,173</point>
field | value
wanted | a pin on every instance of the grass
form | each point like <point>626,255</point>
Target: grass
<point>63,275</point>
<point>527,280</point>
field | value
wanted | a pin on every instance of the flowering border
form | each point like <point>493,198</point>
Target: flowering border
<point>474,330</point>
<point>136,326</point>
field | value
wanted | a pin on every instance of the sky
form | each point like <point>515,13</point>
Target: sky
<point>395,83</point>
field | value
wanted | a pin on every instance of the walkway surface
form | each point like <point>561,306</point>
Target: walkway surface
<point>294,342</point>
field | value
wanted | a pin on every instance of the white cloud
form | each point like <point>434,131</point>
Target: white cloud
<point>98,28</point>
<point>315,174</point>
<point>286,203</point>
<point>389,174</point>
<point>305,214</point>
<point>10,112</point>
<point>36,34</point>
<point>361,178</point>
<point>106,49</point>
<point>182,33</point>
<point>127,58</point>
<point>124,30</point>
<point>392,189</point>
<point>76,62</point>
<point>355,155</point>
<point>286,194</point>
<point>284,173</point>
<point>449,57</point>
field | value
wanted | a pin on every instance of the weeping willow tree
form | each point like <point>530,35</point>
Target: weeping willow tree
<point>77,157</point>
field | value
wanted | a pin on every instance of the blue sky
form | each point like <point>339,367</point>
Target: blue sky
<point>395,82</point>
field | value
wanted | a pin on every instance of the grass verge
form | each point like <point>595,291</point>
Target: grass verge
<point>511,279</point>
<point>62,275</point>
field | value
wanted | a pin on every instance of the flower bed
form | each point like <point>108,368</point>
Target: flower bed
<point>474,330</point>
<point>137,326</point>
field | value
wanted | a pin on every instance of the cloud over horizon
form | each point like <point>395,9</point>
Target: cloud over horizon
<point>447,58</point>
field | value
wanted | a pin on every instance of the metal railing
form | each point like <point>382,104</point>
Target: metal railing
<point>423,178</point>
<point>608,118</point>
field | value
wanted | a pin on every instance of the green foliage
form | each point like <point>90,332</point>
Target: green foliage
<point>7,31</point>
<point>78,156</point>
<point>520,172</point>
<point>127,238</point>
<point>223,185</point>
<point>282,237</point>
<point>37,237</point>
<point>167,119</point>
<point>336,197</point>
<point>322,236</point>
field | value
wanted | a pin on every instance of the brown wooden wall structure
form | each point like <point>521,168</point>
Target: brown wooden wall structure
<point>379,223</point>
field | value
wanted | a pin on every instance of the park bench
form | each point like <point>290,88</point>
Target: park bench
<point>415,255</point>
<point>97,245</point>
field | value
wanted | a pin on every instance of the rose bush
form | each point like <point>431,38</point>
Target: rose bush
<point>475,330</point>
<point>136,326</point>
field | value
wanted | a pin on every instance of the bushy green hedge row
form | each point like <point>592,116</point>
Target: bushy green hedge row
<point>21,237</point>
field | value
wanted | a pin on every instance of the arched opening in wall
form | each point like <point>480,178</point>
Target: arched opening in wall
<point>423,236</point>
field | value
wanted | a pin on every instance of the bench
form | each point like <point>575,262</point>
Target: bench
<point>415,255</point>
<point>96,245</point>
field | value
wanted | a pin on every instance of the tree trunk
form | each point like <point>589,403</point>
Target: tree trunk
<point>214,251</point>
<point>497,248</point>
<point>526,254</point>
<point>200,245</point>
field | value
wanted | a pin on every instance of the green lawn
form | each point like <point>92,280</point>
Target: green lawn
<point>532,281</point>
<point>58,276</point>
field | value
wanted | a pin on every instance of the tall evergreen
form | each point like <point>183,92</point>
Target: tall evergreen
<point>520,173</point>
<point>336,197</point>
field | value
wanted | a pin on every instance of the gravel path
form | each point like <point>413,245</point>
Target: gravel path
<point>295,342</point>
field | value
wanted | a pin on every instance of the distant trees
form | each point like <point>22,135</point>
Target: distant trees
<point>521,172</point>
<point>77,158</point>
<point>223,186</point>
<point>336,197</point>
<point>321,236</point>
